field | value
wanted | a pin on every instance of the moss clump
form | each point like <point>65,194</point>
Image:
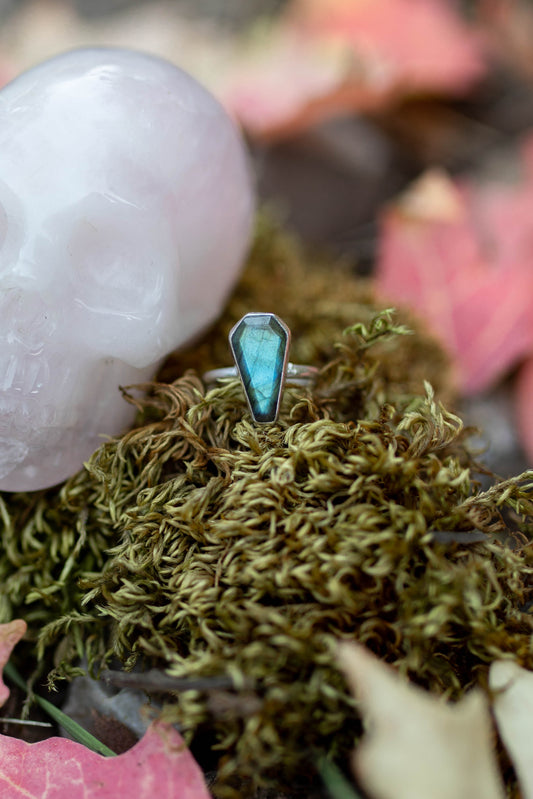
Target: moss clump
<point>318,299</point>
<point>208,546</point>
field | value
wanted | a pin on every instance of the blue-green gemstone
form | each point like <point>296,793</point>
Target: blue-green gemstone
<point>260,343</point>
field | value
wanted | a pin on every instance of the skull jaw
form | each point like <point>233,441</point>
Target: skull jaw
<point>37,451</point>
<point>51,465</point>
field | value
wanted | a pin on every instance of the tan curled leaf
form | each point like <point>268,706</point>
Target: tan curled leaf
<point>415,744</point>
<point>10,634</point>
<point>513,708</point>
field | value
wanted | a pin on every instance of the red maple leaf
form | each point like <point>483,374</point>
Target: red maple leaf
<point>159,765</point>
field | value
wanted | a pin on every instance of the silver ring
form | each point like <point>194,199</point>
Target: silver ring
<point>296,374</point>
<point>260,346</point>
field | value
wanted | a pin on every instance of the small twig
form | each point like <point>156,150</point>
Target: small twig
<point>455,537</point>
<point>26,722</point>
<point>155,681</point>
<point>226,704</point>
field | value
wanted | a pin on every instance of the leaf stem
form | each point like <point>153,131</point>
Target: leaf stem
<point>74,729</point>
<point>335,782</point>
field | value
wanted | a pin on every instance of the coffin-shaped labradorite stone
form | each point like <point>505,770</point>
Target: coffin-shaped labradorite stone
<point>260,343</point>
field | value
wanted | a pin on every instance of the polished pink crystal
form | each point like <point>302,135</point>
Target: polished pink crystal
<point>125,214</point>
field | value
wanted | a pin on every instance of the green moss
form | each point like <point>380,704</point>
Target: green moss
<point>206,545</point>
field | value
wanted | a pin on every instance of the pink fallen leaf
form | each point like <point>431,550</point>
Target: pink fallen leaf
<point>158,766</point>
<point>325,57</point>
<point>281,84</point>
<point>423,44</point>
<point>10,634</point>
<point>460,256</point>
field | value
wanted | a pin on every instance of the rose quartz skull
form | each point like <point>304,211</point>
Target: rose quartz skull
<point>125,214</point>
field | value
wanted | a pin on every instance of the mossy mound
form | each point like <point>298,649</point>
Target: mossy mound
<point>208,546</point>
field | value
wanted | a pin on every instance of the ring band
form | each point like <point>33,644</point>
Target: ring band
<point>260,346</point>
<point>296,374</point>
